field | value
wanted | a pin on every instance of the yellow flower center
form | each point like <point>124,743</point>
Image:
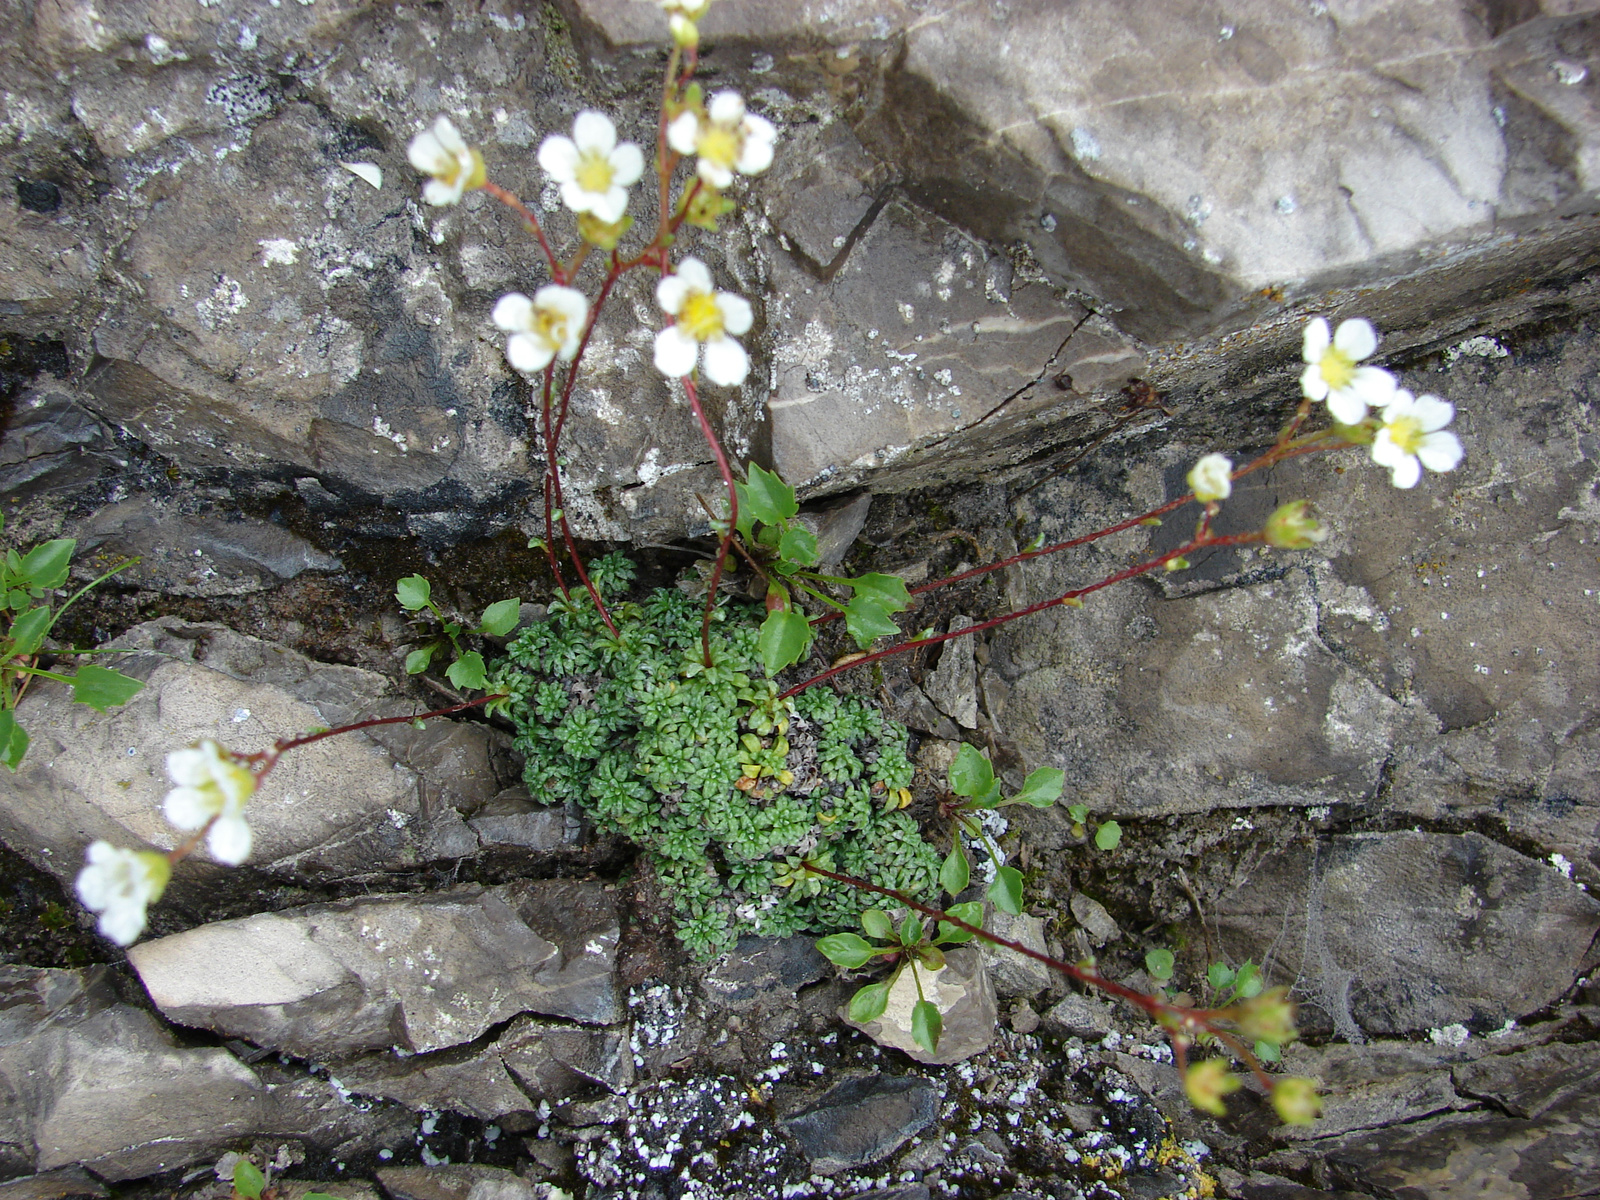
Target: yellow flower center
<point>719,144</point>
<point>1406,433</point>
<point>594,171</point>
<point>550,325</point>
<point>1337,368</point>
<point>700,317</point>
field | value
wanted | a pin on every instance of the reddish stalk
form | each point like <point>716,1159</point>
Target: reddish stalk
<point>510,200</point>
<point>733,512</point>
<point>1237,539</point>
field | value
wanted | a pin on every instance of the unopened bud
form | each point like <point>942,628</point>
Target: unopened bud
<point>1212,478</point>
<point>684,31</point>
<point>1268,1017</point>
<point>1296,1100</point>
<point>1206,1083</point>
<point>1177,564</point>
<point>603,234</point>
<point>1293,527</point>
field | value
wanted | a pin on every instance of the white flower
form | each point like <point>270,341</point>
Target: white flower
<point>726,138</point>
<point>1412,438</point>
<point>548,326</point>
<point>682,16</point>
<point>213,786</point>
<point>703,316</point>
<point>119,885</point>
<point>1212,478</point>
<point>442,153</point>
<point>593,169</point>
<point>1333,375</point>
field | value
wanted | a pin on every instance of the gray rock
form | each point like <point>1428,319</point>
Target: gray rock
<point>1404,931</point>
<point>1371,1086</point>
<point>953,684</point>
<point>53,1185</point>
<point>512,819</point>
<point>52,442</point>
<point>906,1191</point>
<point>1527,1083</point>
<point>836,527</point>
<point>454,1181</point>
<point>417,972</point>
<point>859,1121</point>
<point>1080,1016</point>
<point>373,806</point>
<point>966,1001</point>
<point>1096,921</point>
<point>199,556</point>
<point>763,972</point>
<point>1016,974</point>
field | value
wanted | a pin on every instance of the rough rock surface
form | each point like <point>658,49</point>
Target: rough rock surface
<point>965,997</point>
<point>417,972</point>
<point>859,1121</point>
<point>391,798</point>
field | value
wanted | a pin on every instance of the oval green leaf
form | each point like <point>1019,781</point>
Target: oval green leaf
<point>926,1025</point>
<point>1160,964</point>
<point>785,636</point>
<point>102,688</point>
<point>413,592</point>
<point>45,566</point>
<point>1108,835</point>
<point>868,1003</point>
<point>500,618</point>
<point>847,950</point>
<point>955,873</point>
<point>970,774</point>
<point>467,671</point>
<point>1006,890</point>
<point>1042,788</point>
<point>878,925</point>
<point>248,1181</point>
<point>417,661</point>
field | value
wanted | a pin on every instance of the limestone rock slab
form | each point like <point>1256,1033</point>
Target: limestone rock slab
<point>861,1120</point>
<point>416,972</point>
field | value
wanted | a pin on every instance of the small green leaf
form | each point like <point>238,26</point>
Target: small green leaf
<point>766,497</point>
<point>970,774</point>
<point>1042,788</point>
<point>1108,835</point>
<point>45,566</point>
<point>1219,975</point>
<point>953,935</point>
<point>467,671</point>
<point>1160,964</point>
<point>1268,1051</point>
<point>417,661</point>
<point>248,1181</point>
<point>102,688</point>
<point>877,924</point>
<point>785,636</point>
<point>926,1025</point>
<point>798,545</point>
<point>1078,812</point>
<point>867,621</point>
<point>930,956</point>
<point>847,950</point>
<point>413,592</point>
<point>888,590</point>
<point>500,618</point>
<point>868,1003</point>
<point>1248,982</point>
<point>28,630</point>
<point>955,873</point>
<point>1006,890</point>
<point>13,740</point>
<point>910,930</point>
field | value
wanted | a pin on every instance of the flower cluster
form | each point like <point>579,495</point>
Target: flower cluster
<point>213,786</point>
<point>702,316</point>
<point>1410,431</point>
<point>456,167</point>
<point>724,138</point>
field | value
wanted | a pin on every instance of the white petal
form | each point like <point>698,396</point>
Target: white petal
<point>427,155</point>
<point>438,193</point>
<point>1346,407</point>
<point>513,312</point>
<point>449,137</point>
<point>755,156</point>
<point>736,314</point>
<point>715,174</point>
<point>190,767</point>
<point>1313,384</point>
<point>671,292</point>
<point>676,352</point>
<point>1374,385</point>
<point>528,353</point>
<point>611,205</point>
<point>1356,339</point>
<point>726,108</point>
<point>627,164</point>
<point>370,172</point>
<point>569,302</point>
<point>695,273</point>
<point>1317,340</point>
<point>123,923</point>
<point>1433,412</point>
<point>229,840</point>
<point>594,131</point>
<point>189,808</point>
<point>1440,451</point>
<point>726,362</point>
<point>575,198</point>
<point>1406,472</point>
<point>559,158</point>
<point>1384,452</point>
<point>683,135</point>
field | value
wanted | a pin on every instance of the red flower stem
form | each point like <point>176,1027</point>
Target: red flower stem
<point>733,512</point>
<point>262,761</point>
<point>552,484</point>
<point>532,222</point>
<point>1237,539</point>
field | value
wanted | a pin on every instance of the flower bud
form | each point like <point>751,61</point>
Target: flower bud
<point>1296,1100</point>
<point>1211,478</point>
<point>1206,1083</point>
<point>602,234</point>
<point>1293,527</point>
<point>1268,1017</point>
